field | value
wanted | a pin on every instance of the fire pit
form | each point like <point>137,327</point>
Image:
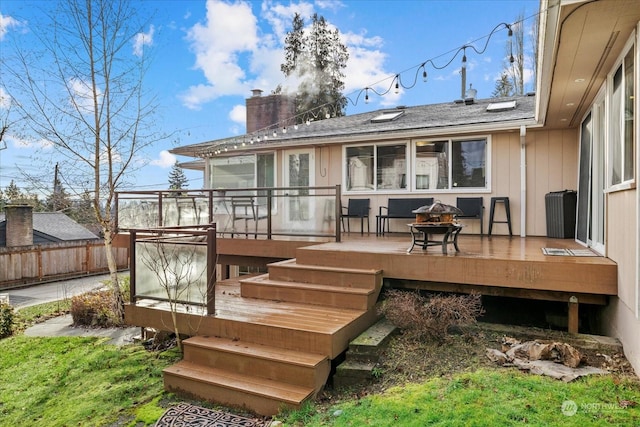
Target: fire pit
<point>436,213</point>
<point>435,219</point>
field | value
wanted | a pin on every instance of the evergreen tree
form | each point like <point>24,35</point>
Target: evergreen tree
<point>59,199</point>
<point>317,58</point>
<point>503,87</point>
<point>13,193</point>
<point>177,178</point>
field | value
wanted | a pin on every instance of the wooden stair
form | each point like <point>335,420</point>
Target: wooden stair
<point>263,374</point>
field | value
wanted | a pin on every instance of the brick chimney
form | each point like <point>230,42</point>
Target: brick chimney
<point>19,225</point>
<point>269,112</point>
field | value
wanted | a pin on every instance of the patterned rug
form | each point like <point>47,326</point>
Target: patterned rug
<point>568,252</point>
<point>185,414</point>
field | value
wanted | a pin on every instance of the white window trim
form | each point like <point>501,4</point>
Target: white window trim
<point>628,184</point>
<point>452,190</point>
<point>375,145</point>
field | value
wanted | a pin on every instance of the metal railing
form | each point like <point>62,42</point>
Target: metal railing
<point>175,265</point>
<point>263,211</point>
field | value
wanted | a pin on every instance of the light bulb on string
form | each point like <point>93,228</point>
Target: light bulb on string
<point>284,129</point>
<point>397,88</point>
<point>366,96</point>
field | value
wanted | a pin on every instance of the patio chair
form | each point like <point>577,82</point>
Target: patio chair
<point>356,208</point>
<point>246,208</point>
<point>472,207</point>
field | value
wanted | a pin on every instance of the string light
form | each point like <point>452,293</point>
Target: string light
<point>396,84</point>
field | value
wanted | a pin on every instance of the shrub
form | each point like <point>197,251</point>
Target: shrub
<point>430,317</point>
<point>7,318</point>
<point>94,309</point>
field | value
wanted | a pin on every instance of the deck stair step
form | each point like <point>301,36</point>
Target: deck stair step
<point>260,395</point>
<point>363,354</point>
<point>290,270</point>
<point>274,363</point>
<point>257,377</point>
<point>264,287</point>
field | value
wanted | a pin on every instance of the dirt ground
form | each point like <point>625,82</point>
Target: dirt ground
<point>405,360</point>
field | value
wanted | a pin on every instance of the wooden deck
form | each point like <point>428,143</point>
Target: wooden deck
<point>273,336</point>
<point>494,265</point>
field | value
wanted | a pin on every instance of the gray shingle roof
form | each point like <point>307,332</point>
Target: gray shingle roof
<point>432,117</point>
<point>59,226</point>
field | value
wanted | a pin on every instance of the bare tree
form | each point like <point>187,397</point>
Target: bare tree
<point>81,91</point>
<point>178,268</point>
<point>517,56</point>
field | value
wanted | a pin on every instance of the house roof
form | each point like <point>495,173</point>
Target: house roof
<point>417,121</point>
<point>580,41</point>
<point>55,227</point>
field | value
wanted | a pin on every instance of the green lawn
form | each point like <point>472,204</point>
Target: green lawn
<point>75,381</point>
<point>503,397</point>
<point>83,381</point>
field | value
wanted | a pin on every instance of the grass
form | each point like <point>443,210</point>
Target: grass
<point>79,381</point>
<point>84,382</point>
<point>75,381</point>
<point>481,398</point>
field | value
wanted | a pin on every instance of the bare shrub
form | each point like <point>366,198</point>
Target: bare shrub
<point>430,317</point>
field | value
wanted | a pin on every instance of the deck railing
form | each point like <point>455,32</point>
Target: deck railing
<point>264,212</point>
<point>175,265</point>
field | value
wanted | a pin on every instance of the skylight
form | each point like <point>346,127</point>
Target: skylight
<point>501,106</point>
<point>387,116</point>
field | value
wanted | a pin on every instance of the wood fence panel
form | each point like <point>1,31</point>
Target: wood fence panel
<point>33,264</point>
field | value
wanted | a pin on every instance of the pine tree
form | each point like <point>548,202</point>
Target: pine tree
<point>317,58</point>
<point>503,87</point>
<point>177,178</point>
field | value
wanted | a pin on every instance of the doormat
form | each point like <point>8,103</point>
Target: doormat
<point>185,414</point>
<point>568,252</point>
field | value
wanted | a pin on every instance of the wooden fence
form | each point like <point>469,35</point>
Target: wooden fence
<point>35,264</point>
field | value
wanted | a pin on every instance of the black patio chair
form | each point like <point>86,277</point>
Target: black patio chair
<point>472,207</point>
<point>356,208</point>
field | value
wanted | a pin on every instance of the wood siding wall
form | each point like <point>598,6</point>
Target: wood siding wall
<point>32,264</point>
<point>552,165</point>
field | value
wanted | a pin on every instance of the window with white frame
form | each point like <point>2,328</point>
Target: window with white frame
<point>444,164</point>
<point>378,167</point>
<point>253,170</point>
<point>450,164</point>
<point>621,121</point>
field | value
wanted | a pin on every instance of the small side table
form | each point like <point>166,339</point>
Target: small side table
<point>420,233</point>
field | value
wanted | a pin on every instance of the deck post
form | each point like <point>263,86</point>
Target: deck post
<point>211,269</point>
<point>573,315</point>
<point>338,207</point>
<point>132,266</point>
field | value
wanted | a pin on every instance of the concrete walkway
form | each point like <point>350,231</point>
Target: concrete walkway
<point>54,291</point>
<point>62,325</point>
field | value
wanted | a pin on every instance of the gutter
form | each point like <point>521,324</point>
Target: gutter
<point>523,181</point>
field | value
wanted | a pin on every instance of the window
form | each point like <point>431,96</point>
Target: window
<point>242,171</point>
<point>621,162</point>
<point>450,164</point>
<point>376,167</point>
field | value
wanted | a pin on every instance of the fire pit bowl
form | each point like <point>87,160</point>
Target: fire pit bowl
<point>437,212</point>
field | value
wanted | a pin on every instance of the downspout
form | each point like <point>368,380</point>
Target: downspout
<point>523,181</point>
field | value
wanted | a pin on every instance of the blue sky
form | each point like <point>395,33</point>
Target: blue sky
<point>209,55</point>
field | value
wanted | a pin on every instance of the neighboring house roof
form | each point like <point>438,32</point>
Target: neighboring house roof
<point>423,120</point>
<point>51,227</point>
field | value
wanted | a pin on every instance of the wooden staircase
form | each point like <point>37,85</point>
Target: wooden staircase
<point>252,365</point>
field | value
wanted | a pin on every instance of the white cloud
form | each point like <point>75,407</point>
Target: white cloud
<point>238,114</point>
<point>141,40</point>
<point>6,23</point>
<point>236,52</point>
<point>165,159</point>
<point>229,31</point>
<point>81,95</point>
<point>5,99</point>
<point>22,143</point>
